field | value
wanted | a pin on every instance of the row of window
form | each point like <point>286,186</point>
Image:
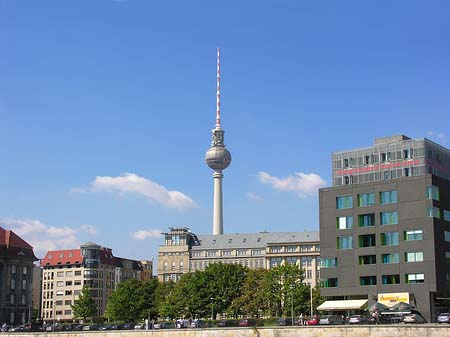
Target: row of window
<point>375,158</point>
<point>385,197</point>
<point>388,258</point>
<point>372,280</point>
<point>387,239</point>
<point>367,220</point>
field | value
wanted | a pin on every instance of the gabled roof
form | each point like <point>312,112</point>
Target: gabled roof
<point>11,239</point>
<point>62,257</point>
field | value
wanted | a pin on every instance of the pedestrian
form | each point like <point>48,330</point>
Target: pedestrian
<point>301,318</point>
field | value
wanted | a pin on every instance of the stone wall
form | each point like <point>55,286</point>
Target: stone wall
<point>426,330</point>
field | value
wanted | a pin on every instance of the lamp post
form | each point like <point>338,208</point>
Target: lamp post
<point>292,286</point>
<point>311,297</point>
<point>212,309</point>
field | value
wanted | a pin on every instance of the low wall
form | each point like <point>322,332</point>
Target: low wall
<point>425,330</point>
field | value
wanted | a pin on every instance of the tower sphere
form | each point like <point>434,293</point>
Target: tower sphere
<point>218,158</point>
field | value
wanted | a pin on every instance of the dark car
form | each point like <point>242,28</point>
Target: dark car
<point>93,327</point>
<point>227,323</point>
<point>78,327</point>
<point>249,322</point>
<point>17,328</point>
<point>284,321</point>
<point>33,327</point>
<point>443,318</point>
<point>128,326</point>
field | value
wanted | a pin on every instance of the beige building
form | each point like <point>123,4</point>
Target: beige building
<point>66,271</point>
<point>184,252</point>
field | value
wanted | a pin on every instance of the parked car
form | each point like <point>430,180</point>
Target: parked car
<point>198,323</point>
<point>313,320</point>
<point>92,327</point>
<point>161,325</point>
<point>249,322</point>
<point>139,326</point>
<point>284,321</point>
<point>413,318</point>
<point>358,319</point>
<point>17,328</point>
<point>33,327</point>
<point>443,318</point>
<point>53,327</point>
<point>331,319</point>
<point>128,326</point>
<point>227,323</point>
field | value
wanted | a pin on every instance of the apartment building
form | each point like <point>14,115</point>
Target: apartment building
<point>385,224</point>
<point>16,278</point>
<point>66,271</point>
<point>184,252</point>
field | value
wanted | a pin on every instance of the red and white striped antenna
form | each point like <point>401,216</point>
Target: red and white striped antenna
<point>218,91</point>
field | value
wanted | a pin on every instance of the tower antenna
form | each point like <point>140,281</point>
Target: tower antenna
<point>218,90</point>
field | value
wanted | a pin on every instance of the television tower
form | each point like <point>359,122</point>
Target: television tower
<point>218,158</point>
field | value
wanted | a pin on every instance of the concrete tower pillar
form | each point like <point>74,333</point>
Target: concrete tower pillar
<point>218,208</point>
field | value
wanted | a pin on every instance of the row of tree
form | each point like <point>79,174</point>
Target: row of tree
<point>228,289</point>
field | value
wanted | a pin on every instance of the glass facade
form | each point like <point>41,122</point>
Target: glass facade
<point>433,212</point>
<point>432,192</point>
<point>328,262</point>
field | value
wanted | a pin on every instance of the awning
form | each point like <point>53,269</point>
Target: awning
<point>342,305</point>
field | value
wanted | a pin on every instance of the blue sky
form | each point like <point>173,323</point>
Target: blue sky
<point>106,109</point>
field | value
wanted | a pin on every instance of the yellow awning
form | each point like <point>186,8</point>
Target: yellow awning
<point>342,305</point>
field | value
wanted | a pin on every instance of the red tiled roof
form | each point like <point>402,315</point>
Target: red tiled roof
<point>62,257</point>
<point>11,239</point>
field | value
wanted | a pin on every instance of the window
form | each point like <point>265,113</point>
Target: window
<point>68,302</point>
<point>59,303</point>
<point>60,274</point>
<point>330,262</point>
<point>60,284</point>
<point>24,284</point>
<point>367,259</point>
<point>291,249</point>
<point>25,270</point>
<point>211,253</point>
<point>390,279</point>
<point>367,240</point>
<point>432,192</point>
<point>69,273</point>
<point>256,252</point>
<point>413,235</point>
<point>433,212</point>
<point>275,261</point>
<point>414,257</point>
<point>390,258</point>
<point>388,197</point>
<point>366,220</point>
<point>13,269</point>
<point>345,201</point>
<point>367,280</point>
<point>226,252</point>
<point>77,272</point>
<point>389,218</point>
<point>407,172</point>
<point>345,242</point>
<point>241,252</point>
<point>11,299</point>
<point>447,256</point>
<point>407,154</point>
<point>389,239</point>
<point>276,249</point>
<point>366,199</point>
<point>68,283</point>
<point>344,222</point>
<point>415,278</point>
<point>446,215</point>
<point>291,260</point>
<point>13,283</point>
<point>67,312</point>
<point>329,283</point>
<point>447,236</point>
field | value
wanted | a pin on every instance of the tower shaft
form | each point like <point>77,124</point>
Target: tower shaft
<point>218,208</point>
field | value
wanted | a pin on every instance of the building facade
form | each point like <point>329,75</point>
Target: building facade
<point>184,252</point>
<point>16,278</point>
<point>385,224</point>
<point>66,271</point>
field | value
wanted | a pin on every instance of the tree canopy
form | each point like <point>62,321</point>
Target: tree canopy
<point>84,306</point>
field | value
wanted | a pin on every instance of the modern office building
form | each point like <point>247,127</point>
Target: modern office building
<point>184,252</point>
<point>16,278</point>
<point>66,271</point>
<point>385,224</point>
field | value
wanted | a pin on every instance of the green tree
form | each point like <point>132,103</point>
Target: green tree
<point>132,300</point>
<point>84,306</point>
<point>252,301</point>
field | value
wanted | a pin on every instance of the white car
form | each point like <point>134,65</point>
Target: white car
<point>413,318</point>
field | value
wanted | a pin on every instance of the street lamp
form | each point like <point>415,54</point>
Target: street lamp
<point>311,297</point>
<point>292,286</point>
<point>212,309</point>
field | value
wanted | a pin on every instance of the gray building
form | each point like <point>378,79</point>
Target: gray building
<point>185,252</point>
<point>385,224</point>
<point>16,277</point>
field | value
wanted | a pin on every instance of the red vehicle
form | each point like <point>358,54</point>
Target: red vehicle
<point>313,320</point>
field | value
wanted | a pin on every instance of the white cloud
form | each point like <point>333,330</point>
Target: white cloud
<point>437,135</point>
<point>41,236</point>
<point>146,234</point>
<point>88,229</point>
<point>306,185</point>
<point>254,197</point>
<point>132,183</point>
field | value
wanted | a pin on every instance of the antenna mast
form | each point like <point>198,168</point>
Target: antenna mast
<point>218,91</point>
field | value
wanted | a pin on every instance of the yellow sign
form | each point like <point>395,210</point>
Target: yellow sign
<point>389,299</point>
